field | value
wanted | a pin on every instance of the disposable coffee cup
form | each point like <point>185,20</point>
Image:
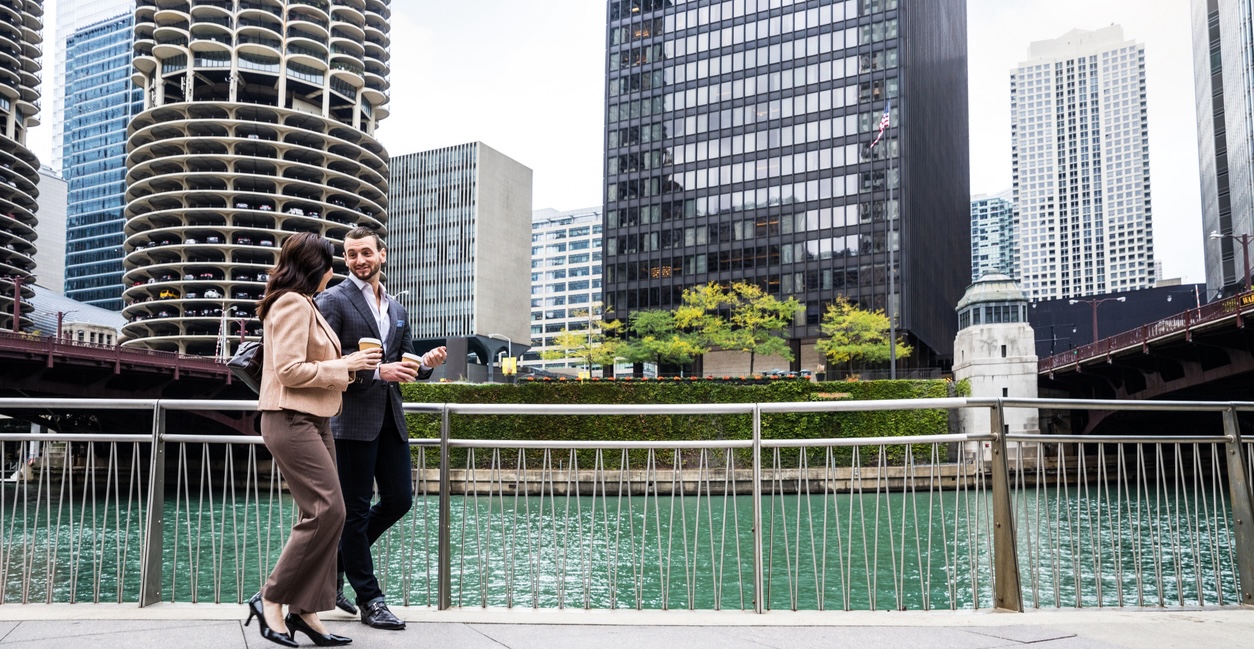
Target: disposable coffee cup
<point>369,343</point>
<point>412,359</point>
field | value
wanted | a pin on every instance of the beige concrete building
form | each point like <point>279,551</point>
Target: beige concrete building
<point>20,35</point>
<point>258,122</point>
<point>460,245</point>
<point>50,253</point>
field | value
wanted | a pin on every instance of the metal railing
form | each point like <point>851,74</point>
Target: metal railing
<point>756,522</point>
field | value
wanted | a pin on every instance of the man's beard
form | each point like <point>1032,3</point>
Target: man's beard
<point>374,270</point>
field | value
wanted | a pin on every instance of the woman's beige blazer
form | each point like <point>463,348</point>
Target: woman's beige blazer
<point>302,369</point>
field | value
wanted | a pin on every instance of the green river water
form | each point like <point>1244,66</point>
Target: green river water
<point>834,552</point>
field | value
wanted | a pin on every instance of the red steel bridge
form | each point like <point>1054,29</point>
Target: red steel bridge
<point>44,366</point>
<point>1206,353</point>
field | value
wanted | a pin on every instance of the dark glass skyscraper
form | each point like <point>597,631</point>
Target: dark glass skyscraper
<point>100,101</point>
<point>737,137</point>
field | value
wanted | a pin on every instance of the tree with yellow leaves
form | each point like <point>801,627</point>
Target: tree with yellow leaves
<point>757,322</point>
<point>595,344</point>
<point>856,334</point>
<point>656,338</point>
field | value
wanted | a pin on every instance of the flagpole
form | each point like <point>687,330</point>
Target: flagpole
<point>892,283</point>
<point>885,120</point>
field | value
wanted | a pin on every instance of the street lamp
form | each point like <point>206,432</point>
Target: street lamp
<point>1244,240</point>
<point>1053,336</point>
<point>1197,297</point>
<point>591,312</point>
<point>60,317</point>
<point>16,280</point>
<point>1094,304</point>
<point>510,346</point>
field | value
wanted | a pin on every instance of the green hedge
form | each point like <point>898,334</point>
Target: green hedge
<point>683,427</point>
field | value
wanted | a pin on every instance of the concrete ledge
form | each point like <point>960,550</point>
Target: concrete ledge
<point>1233,616</point>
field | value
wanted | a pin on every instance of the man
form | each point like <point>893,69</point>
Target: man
<point>371,440</point>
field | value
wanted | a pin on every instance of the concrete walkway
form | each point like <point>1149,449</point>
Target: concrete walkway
<point>208,626</point>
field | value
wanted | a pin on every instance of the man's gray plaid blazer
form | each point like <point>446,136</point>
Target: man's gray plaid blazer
<point>345,309</point>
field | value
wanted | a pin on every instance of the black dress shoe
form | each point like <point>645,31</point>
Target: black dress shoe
<point>255,609</point>
<point>342,603</point>
<point>377,615</point>
<point>297,623</point>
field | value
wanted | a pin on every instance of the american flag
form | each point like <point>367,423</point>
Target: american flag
<point>884,120</point>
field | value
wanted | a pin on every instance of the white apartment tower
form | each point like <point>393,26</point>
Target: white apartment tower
<point>1080,150</point>
<point>565,280</point>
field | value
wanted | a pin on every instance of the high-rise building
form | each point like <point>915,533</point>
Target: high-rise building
<point>20,36</point>
<point>994,237</point>
<point>565,280</point>
<point>1223,46</point>
<point>738,149</point>
<point>258,122</point>
<point>100,101</point>
<point>458,254</point>
<point>72,16</point>
<point>50,255</point>
<point>1080,150</point>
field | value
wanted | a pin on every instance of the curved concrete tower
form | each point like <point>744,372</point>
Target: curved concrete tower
<point>21,24</point>
<point>258,122</point>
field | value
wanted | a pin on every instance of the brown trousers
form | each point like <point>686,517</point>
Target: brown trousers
<point>304,577</point>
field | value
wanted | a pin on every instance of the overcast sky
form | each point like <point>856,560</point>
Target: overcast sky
<point>527,78</point>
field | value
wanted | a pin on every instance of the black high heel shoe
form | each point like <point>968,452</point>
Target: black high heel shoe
<point>255,610</point>
<point>297,623</point>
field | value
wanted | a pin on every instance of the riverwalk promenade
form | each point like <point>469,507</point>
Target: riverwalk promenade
<point>207,626</point>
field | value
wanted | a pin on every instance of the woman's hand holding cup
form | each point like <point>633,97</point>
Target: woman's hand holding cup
<point>365,358</point>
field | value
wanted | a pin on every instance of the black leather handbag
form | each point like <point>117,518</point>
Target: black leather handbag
<point>246,364</point>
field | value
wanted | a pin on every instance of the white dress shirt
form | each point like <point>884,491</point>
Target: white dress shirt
<point>378,307</point>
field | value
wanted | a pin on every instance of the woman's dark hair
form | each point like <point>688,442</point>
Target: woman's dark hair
<point>303,259</point>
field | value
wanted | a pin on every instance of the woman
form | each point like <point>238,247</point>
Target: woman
<point>302,379</point>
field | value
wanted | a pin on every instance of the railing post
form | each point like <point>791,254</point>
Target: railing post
<point>152,554</point>
<point>444,560</point>
<point>1006,588</point>
<point>1242,507</point>
<point>759,582</point>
